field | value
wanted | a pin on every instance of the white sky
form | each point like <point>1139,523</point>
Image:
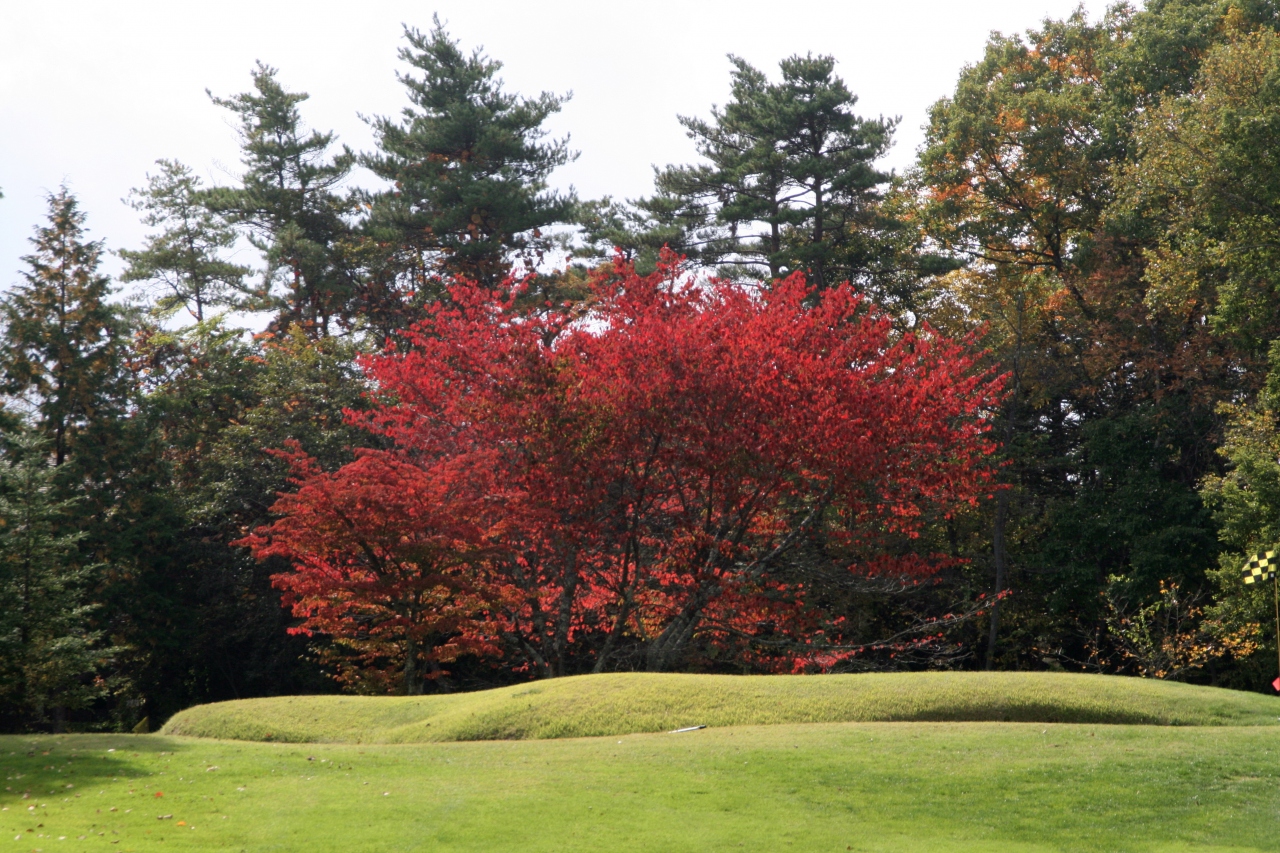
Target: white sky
<point>92,93</point>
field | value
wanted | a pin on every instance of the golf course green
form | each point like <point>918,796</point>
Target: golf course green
<point>1177,768</point>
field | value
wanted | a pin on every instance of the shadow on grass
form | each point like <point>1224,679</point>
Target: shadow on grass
<point>42,766</point>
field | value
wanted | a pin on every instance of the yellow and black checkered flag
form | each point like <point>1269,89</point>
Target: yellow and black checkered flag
<point>1261,567</point>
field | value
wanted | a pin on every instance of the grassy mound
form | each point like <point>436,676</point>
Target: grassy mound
<point>626,703</point>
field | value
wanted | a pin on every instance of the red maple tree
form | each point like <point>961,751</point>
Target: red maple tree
<point>632,473</point>
<point>384,555</point>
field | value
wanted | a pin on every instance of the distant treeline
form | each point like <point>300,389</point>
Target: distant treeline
<point>1085,250</point>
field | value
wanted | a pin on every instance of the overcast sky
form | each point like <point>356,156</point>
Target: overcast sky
<point>92,93</point>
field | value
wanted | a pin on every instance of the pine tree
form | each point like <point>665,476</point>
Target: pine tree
<point>788,182</point>
<point>184,257</point>
<point>289,205</point>
<point>743,186</point>
<point>49,654</point>
<point>62,344</point>
<point>827,153</point>
<point>469,169</point>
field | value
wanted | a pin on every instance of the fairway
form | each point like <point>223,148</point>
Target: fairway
<point>626,703</point>
<point>1199,773</point>
<point>822,787</point>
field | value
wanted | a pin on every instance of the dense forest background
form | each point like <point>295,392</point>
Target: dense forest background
<point>1095,204</point>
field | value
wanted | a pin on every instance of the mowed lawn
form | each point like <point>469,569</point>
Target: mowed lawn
<point>822,787</point>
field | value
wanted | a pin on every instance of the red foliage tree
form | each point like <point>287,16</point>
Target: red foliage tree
<point>645,468</point>
<point>384,555</point>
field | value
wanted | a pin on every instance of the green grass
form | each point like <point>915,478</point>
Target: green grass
<point>886,787</point>
<point>1205,778</point>
<point>635,702</point>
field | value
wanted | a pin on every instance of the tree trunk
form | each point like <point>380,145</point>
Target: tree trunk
<point>775,243</point>
<point>624,613</point>
<point>630,563</point>
<point>412,683</point>
<point>564,619</point>
<point>997,552</point>
<point>667,646</point>
<point>819,268</point>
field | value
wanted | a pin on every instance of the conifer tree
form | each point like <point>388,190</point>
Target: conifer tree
<point>62,343</point>
<point>289,206</point>
<point>469,166</point>
<point>184,256</point>
<point>49,654</point>
<point>828,153</point>
<point>745,180</point>
<point>788,182</point>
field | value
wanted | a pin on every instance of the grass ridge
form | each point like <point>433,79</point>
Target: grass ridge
<point>627,703</point>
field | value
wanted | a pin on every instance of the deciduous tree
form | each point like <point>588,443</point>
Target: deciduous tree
<point>654,466</point>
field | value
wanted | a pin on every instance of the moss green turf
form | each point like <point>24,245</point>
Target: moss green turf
<point>905,787</point>
<point>1208,779</point>
<point>626,703</point>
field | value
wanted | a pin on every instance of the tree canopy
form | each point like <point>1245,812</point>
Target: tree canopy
<point>419,418</point>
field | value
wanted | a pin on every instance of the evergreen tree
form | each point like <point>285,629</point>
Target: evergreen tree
<point>732,208</point>
<point>827,154</point>
<point>62,347</point>
<point>201,617</point>
<point>289,206</point>
<point>789,181</point>
<point>469,167</point>
<point>50,656</point>
<point>184,258</point>
<point>64,373</point>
